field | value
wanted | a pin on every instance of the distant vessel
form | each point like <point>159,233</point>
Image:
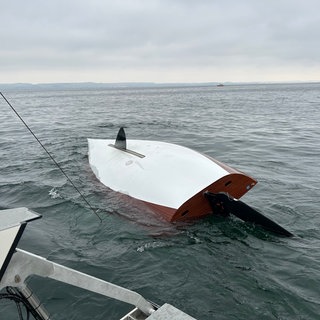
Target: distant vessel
<point>220,85</point>
<point>176,182</point>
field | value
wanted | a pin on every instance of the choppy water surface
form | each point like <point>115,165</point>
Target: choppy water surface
<point>212,269</point>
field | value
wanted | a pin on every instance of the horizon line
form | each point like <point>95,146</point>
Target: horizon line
<point>150,83</point>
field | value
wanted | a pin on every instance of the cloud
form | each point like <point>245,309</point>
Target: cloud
<point>104,40</point>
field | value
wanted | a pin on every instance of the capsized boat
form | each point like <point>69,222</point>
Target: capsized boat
<point>177,182</point>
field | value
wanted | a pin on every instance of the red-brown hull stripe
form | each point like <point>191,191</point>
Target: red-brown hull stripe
<point>235,184</point>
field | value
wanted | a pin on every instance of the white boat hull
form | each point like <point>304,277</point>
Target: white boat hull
<point>170,178</point>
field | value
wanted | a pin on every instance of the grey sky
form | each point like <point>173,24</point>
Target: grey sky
<point>159,41</point>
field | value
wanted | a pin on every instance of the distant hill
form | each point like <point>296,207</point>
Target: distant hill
<point>96,85</point>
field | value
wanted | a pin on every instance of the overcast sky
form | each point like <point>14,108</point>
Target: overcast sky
<point>159,40</point>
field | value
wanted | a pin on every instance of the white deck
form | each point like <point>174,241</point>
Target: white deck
<point>23,264</point>
<point>14,217</point>
<point>167,312</point>
<point>10,224</point>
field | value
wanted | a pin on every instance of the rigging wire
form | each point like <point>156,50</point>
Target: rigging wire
<point>51,157</point>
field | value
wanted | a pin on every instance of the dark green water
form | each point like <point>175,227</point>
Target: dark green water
<point>215,268</point>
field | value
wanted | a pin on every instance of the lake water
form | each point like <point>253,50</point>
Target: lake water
<point>215,268</point>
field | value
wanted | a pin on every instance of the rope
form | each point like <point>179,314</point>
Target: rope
<point>50,156</point>
<point>14,295</point>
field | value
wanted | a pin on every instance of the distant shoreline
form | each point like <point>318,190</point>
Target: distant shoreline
<point>124,85</point>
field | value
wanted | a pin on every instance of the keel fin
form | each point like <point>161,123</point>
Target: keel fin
<point>121,140</point>
<point>121,144</point>
<point>243,212</point>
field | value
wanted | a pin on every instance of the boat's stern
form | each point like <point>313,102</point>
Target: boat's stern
<point>235,184</point>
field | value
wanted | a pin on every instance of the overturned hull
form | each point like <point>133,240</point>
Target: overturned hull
<point>171,179</point>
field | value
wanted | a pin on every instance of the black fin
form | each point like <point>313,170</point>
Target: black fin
<point>121,141</point>
<point>243,212</point>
